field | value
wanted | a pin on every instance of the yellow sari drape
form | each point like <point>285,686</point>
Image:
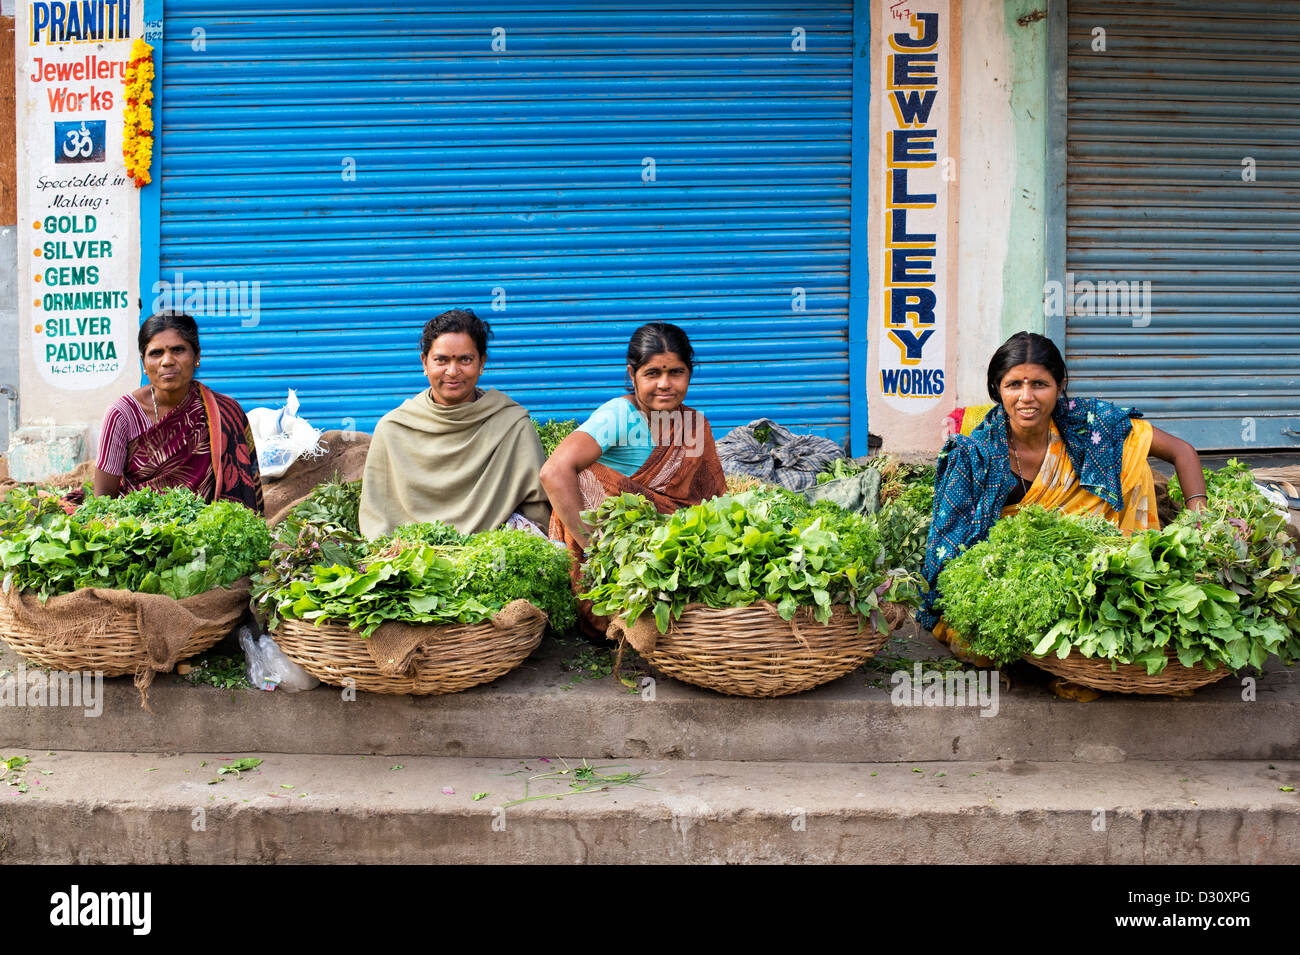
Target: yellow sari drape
<point>972,416</point>
<point>1057,487</point>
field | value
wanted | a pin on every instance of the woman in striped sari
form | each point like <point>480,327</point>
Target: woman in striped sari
<point>175,431</point>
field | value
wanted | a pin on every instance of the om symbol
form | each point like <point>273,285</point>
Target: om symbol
<point>79,142</point>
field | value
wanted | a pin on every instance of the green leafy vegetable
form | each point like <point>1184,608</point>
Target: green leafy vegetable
<point>24,506</point>
<point>906,497</point>
<point>321,568</point>
<point>897,477</point>
<point>1217,587</point>
<point>239,766</point>
<point>334,505</point>
<point>159,507</point>
<point>903,531</point>
<point>401,577</point>
<point>1010,589</point>
<point>497,567</point>
<point>919,496</point>
<point>735,550</point>
<point>1232,485</point>
<point>430,532</point>
<point>552,432</point>
<point>223,671</point>
<point>840,468</point>
<point>168,543</point>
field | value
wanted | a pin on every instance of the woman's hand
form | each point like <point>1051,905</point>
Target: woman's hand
<point>559,475</point>
<point>1187,465</point>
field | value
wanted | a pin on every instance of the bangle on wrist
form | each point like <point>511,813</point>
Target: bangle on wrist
<point>1192,497</point>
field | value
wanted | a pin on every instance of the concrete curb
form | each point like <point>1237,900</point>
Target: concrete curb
<point>124,808</point>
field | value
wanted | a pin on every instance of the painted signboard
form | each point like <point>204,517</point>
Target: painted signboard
<point>917,170</point>
<point>76,205</point>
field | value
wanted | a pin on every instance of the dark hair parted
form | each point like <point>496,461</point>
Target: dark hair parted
<point>656,338</point>
<point>1024,348</point>
<point>178,322</point>
<point>453,321</point>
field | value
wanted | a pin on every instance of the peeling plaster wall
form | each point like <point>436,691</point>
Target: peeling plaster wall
<point>1001,265</point>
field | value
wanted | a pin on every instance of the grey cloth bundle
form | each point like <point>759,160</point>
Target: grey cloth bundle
<point>785,458</point>
<point>859,493</point>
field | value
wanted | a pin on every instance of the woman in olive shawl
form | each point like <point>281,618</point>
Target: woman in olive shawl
<point>454,453</point>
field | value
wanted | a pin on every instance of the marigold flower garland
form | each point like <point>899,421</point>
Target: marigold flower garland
<point>137,118</point>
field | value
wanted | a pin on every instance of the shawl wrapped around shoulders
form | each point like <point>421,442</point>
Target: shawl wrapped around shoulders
<point>469,465</point>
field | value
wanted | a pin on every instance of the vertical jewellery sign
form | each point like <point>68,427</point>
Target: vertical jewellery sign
<point>917,169</point>
<point>78,210</point>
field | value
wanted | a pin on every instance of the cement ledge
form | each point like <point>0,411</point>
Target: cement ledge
<point>534,711</point>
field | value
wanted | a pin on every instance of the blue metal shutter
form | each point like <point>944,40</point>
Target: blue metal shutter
<point>518,170</point>
<point>1160,125</point>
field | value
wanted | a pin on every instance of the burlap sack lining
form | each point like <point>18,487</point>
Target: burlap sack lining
<point>163,625</point>
<point>394,645</point>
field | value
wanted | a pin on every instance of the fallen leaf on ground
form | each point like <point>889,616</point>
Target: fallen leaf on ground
<point>239,766</point>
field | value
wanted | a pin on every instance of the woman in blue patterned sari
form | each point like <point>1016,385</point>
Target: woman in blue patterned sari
<point>1039,446</point>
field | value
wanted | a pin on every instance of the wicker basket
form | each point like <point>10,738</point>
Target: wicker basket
<point>117,649</point>
<point>751,651</point>
<point>1129,677</point>
<point>455,657</point>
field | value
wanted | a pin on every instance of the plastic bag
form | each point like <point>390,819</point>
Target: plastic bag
<point>1273,494</point>
<point>282,437</point>
<point>269,668</point>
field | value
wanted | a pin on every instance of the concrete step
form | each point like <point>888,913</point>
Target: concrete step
<point>140,808</point>
<point>543,708</point>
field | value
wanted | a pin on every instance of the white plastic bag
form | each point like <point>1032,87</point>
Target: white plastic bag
<point>1276,498</point>
<point>269,668</point>
<point>282,437</point>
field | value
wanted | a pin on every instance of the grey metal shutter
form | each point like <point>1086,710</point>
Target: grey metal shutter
<point>516,177</point>
<point>1162,124</point>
